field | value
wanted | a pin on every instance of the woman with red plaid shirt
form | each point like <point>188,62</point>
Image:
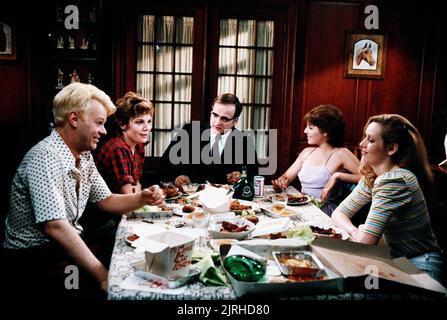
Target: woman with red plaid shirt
<point>120,160</point>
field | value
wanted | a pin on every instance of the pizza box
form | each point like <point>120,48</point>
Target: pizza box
<point>357,263</point>
<point>348,266</point>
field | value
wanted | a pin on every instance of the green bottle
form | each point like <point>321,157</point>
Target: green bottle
<point>244,268</point>
<point>243,189</point>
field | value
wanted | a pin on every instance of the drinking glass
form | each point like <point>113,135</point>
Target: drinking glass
<point>279,201</point>
<point>190,188</point>
<point>200,219</point>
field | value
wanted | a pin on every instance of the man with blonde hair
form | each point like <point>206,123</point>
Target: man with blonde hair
<point>49,192</point>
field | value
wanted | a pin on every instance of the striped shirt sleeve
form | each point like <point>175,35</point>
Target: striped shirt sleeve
<point>358,198</point>
<point>390,195</point>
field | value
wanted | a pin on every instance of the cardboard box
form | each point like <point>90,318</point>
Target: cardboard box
<point>168,254</point>
<point>348,266</point>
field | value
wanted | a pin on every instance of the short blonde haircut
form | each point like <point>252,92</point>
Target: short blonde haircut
<point>76,97</point>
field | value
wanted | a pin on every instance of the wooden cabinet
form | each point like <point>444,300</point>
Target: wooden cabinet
<point>74,45</point>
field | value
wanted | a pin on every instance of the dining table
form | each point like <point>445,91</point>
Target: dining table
<point>124,285</point>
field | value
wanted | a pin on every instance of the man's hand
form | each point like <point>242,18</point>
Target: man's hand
<point>233,177</point>
<point>181,181</point>
<point>153,195</point>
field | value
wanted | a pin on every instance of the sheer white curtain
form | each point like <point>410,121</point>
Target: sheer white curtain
<point>164,73</point>
<point>246,69</point>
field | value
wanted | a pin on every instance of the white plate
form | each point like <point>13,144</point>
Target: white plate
<point>343,233</point>
<point>215,226</point>
<point>174,198</point>
<point>308,199</point>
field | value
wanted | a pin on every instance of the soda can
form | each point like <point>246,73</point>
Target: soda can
<point>258,184</point>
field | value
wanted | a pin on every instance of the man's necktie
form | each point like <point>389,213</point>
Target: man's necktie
<point>215,148</point>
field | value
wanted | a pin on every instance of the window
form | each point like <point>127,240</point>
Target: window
<point>185,57</point>
<point>246,69</point>
<point>164,73</point>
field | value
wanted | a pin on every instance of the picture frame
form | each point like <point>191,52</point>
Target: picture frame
<point>8,46</point>
<point>365,54</point>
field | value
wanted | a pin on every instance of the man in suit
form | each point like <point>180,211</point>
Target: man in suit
<point>215,152</point>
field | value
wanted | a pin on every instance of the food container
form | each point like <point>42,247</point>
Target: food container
<point>298,263</point>
<point>216,225</point>
<point>153,212</point>
<point>277,284</point>
<point>168,254</point>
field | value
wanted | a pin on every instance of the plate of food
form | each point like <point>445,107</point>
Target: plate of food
<point>297,199</point>
<point>239,206</point>
<point>329,232</point>
<point>230,229</point>
<point>171,192</point>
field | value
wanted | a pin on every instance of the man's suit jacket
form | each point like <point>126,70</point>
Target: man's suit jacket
<point>233,157</point>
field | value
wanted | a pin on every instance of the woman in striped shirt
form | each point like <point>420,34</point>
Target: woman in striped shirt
<point>394,165</point>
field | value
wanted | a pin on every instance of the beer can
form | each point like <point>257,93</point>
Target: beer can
<point>258,184</point>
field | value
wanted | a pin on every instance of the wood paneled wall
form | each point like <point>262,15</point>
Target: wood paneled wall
<point>414,76</point>
<point>414,83</point>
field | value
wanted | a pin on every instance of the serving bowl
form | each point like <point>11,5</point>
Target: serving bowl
<point>216,230</point>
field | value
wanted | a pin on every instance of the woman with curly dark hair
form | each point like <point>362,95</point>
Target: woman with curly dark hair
<point>320,167</point>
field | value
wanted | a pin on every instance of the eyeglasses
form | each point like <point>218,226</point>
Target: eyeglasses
<point>223,119</point>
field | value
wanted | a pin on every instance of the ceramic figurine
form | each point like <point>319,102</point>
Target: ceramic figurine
<point>60,79</point>
<point>74,77</point>
<point>84,44</point>
<point>60,42</point>
<point>71,43</point>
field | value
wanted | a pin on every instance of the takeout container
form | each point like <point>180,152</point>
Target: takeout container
<point>168,254</point>
<point>153,212</point>
<point>298,263</point>
<point>393,274</point>
<point>215,200</point>
<point>276,284</point>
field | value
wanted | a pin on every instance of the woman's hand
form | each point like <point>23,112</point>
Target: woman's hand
<point>280,184</point>
<point>328,187</point>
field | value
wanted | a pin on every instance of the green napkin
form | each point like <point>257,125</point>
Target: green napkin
<point>210,274</point>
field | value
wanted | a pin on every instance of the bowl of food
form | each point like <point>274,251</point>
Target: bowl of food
<point>230,228</point>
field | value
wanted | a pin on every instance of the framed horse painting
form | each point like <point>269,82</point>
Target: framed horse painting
<point>365,54</point>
